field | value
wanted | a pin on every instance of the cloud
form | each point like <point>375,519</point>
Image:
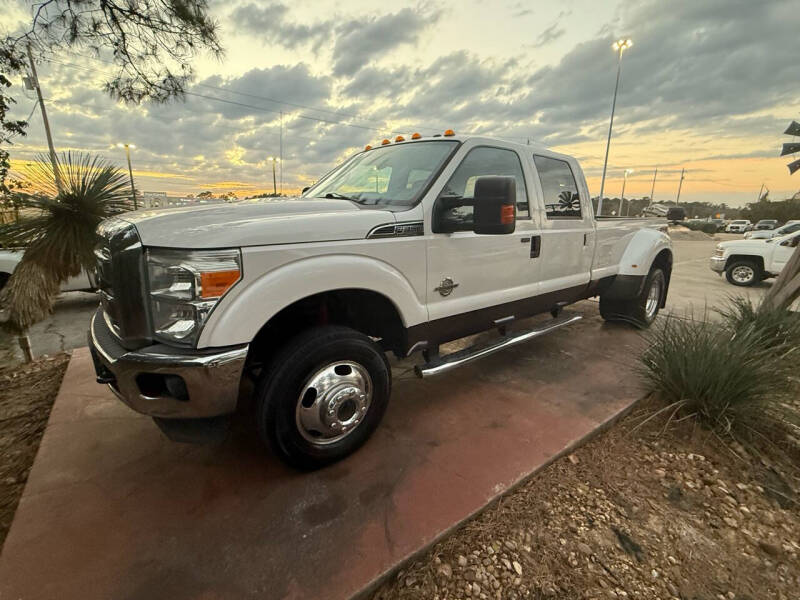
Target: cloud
<point>550,34</point>
<point>355,42</point>
<point>270,23</point>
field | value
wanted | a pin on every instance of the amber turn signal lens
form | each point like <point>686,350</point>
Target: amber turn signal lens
<point>384,142</point>
<point>214,284</point>
<point>507,214</point>
<point>415,136</point>
<point>399,138</point>
<point>449,132</point>
<point>367,147</point>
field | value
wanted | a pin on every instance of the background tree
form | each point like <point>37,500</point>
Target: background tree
<point>151,43</point>
<point>57,231</point>
<point>786,289</point>
<point>207,194</point>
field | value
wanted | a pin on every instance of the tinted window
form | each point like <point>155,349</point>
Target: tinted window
<point>481,162</point>
<point>561,198</point>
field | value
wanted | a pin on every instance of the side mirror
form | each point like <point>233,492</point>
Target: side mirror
<point>305,189</point>
<point>495,205</point>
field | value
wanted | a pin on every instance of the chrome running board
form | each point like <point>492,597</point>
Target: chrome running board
<point>442,364</point>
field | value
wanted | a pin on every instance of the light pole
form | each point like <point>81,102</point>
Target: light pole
<point>624,181</point>
<point>130,171</point>
<point>273,160</point>
<point>619,46</point>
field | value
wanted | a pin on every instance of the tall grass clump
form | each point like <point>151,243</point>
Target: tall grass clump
<point>737,377</point>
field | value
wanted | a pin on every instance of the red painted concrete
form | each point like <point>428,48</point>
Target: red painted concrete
<point>114,510</point>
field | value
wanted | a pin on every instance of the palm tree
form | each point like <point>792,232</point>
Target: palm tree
<point>57,230</point>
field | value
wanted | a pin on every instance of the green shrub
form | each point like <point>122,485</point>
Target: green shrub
<point>705,227</point>
<point>734,377</point>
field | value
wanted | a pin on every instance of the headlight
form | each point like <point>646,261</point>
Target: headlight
<point>719,252</point>
<point>185,286</point>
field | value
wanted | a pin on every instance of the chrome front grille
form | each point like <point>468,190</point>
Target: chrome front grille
<point>121,282</point>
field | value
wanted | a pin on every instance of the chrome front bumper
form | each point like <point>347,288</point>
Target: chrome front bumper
<point>717,263</point>
<point>163,381</point>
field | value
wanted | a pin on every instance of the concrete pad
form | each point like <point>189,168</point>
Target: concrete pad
<point>112,509</point>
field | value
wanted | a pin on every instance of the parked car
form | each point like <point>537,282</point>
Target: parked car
<point>676,214</point>
<point>9,259</point>
<point>746,262</point>
<point>766,224</point>
<point>739,226</point>
<point>402,248</point>
<point>789,227</point>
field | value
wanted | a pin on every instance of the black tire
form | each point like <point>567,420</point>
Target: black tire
<point>635,310</point>
<point>4,277</point>
<point>278,394</point>
<point>737,270</point>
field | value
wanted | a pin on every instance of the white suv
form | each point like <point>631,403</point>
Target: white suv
<point>739,226</point>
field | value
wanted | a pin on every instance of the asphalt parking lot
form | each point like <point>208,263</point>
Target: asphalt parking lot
<point>694,289</point>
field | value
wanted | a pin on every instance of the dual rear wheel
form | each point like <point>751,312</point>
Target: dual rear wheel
<point>642,310</point>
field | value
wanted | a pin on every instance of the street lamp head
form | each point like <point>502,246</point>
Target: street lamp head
<point>126,145</point>
<point>273,159</point>
<point>628,171</point>
<point>622,45</point>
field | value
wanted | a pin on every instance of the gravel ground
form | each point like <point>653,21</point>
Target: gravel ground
<point>638,512</point>
<point>27,393</point>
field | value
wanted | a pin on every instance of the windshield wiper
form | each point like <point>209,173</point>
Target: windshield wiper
<point>338,196</point>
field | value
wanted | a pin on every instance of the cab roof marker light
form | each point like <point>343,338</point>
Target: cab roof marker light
<point>399,138</point>
<point>449,133</point>
<point>415,136</point>
<point>385,141</point>
<point>367,147</point>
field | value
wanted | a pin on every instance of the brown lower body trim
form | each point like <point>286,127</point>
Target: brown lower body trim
<point>476,321</point>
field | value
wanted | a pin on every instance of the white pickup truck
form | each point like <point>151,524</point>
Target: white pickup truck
<point>746,262</point>
<point>9,259</point>
<point>401,248</point>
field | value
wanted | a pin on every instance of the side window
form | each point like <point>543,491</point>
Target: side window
<point>481,162</point>
<point>561,198</point>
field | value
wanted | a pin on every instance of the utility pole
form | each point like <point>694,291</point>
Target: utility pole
<point>280,155</point>
<point>56,173</point>
<point>653,187</point>
<point>273,160</point>
<point>130,172</point>
<point>680,183</point>
<point>761,191</point>
<point>622,199</point>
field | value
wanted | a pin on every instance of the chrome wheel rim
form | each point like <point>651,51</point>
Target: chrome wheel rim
<point>653,299</point>
<point>333,402</point>
<point>743,274</point>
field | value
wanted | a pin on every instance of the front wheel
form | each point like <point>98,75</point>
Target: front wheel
<point>743,273</point>
<point>323,396</point>
<point>642,310</point>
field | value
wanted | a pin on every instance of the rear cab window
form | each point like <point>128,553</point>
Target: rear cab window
<point>561,197</point>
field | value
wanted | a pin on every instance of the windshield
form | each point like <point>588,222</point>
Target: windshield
<point>389,175</point>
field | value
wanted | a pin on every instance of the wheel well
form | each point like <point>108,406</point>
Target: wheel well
<point>663,260</point>
<point>758,260</point>
<point>4,277</point>
<point>366,311</point>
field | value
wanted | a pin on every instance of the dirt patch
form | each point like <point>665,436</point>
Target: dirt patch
<point>27,393</point>
<point>686,234</point>
<point>635,513</point>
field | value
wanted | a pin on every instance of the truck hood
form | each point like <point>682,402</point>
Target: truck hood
<point>753,244</point>
<point>256,222</point>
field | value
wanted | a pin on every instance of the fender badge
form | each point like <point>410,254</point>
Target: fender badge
<point>446,287</point>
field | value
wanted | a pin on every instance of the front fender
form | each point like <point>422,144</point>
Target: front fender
<point>240,315</point>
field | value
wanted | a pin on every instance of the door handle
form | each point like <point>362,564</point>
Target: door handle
<point>536,246</point>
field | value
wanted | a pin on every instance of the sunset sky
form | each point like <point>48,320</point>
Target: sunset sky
<point>709,85</point>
